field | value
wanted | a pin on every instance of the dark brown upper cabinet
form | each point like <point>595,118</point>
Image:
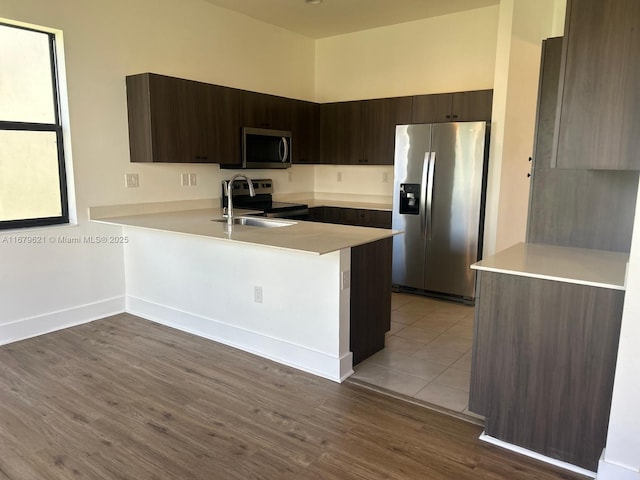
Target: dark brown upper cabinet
<point>181,121</point>
<point>225,108</point>
<point>166,117</point>
<point>469,106</point>
<point>267,111</point>
<point>361,132</point>
<point>598,117</point>
<point>340,126</point>
<point>380,118</point>
<point>305,132</point>
<point>172,120</point>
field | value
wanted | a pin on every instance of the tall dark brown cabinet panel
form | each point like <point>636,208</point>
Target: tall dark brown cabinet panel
<point>305,132</point>
<point>168,120</point>
<point>379,120</point>
<point>574,208</point>
<point>544,357</point>
<point>599,97</point>
<point>469,106</point>
<point>225,107</point>
<point>340,132</point>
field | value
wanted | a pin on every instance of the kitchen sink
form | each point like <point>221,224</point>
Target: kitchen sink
<point>258,222</point>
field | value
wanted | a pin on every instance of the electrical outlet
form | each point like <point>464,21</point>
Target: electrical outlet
<point>192,179</point>
<point>131,180</point>
<point>184,179</point>
<point>385,177</point>
<point>257,294</point>
<point>339,176</point>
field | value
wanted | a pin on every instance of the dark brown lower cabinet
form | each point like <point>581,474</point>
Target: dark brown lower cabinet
<point>544,357</point>
<point>370,298</point>
<point>351,216</point>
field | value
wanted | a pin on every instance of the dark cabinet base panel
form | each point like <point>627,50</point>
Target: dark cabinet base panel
<point>544,357</point>
<point>370,298</point>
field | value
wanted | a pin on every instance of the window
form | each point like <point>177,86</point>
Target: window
<point>33,187</point>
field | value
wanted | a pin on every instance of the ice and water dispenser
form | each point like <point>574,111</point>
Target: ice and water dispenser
<point>409,198</point>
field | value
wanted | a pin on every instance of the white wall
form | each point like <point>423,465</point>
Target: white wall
<point>206,286</point>
<point>104,42</point>
<point>522,27</point>
<point>368,180</point>
<point>442,54</point>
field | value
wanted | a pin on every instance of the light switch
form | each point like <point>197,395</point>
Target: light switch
<point>345,280</point>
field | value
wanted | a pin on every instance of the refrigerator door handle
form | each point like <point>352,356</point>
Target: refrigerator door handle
<point>426,165</point>
<point>429,199</point>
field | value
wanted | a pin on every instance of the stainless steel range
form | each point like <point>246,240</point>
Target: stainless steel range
<point>263,200</point>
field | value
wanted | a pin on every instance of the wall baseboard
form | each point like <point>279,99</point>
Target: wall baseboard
<point>523,451</point>
<point>51,322</point>
<point>612,471</point>
<point>280,351</point>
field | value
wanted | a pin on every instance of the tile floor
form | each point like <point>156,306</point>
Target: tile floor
<point>427,354</point>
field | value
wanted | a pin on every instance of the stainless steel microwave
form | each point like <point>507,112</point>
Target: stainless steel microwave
<point>264,148</point>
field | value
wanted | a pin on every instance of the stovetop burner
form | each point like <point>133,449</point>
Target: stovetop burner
<point>263,200</point>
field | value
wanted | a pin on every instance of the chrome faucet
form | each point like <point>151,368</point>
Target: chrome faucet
<point>228,187</point>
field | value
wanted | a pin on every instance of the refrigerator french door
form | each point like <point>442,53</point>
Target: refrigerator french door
<point>438,203</point>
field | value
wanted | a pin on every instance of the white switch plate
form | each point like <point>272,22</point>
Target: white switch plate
<point>184,179</point>
<point>345,279</point>
<point>385,177</point>
<point>131,180</point>
<point>339,176</point>
<point>257,294</point>
<point>192,179</point>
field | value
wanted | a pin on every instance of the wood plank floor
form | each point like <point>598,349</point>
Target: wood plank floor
<point>124,398</point>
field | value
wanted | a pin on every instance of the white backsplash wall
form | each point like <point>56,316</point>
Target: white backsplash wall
<point>370,180</point>
<point>158,179</point>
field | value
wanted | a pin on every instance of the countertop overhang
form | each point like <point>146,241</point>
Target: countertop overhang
<point>596,268</point>
<point>301,236</point>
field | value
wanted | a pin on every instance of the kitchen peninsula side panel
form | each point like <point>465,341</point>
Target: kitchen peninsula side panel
<point>543,364</point>
<point>370,310</point>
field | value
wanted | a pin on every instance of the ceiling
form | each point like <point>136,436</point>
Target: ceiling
<point>336,17</point>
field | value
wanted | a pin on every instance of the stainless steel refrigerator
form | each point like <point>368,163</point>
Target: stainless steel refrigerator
<point>438,202</point>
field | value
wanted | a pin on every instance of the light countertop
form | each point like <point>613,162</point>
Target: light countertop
<point>309,237</point>
<point>597,268</point>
